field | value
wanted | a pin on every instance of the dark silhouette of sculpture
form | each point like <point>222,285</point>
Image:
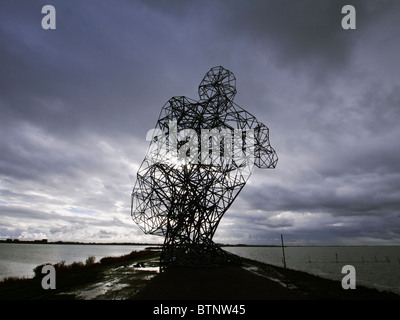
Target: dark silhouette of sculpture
<point>200,157</point>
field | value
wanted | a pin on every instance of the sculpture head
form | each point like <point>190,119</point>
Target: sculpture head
<point>218,84</point>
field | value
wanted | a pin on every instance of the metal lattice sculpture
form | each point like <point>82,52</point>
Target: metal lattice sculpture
<point>184,186</point>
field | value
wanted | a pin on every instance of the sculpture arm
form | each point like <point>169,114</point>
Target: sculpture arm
<point>264,155</point>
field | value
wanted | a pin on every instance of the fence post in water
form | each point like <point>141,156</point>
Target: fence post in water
<point>283,251</point>
<point>336,257</point>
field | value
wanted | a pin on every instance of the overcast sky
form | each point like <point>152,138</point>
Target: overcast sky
<point>76,104</point>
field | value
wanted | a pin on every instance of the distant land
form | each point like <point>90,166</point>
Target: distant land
<point>45,241</point>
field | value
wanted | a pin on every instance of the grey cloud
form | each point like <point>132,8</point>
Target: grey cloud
<point>81,76</point>
<point>355,195</point>
<point>41,216</point>
<point>76,104</point>
<point>305,35</point>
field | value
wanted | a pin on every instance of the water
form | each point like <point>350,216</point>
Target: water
<point>377,267</point>
<point>18,260</point>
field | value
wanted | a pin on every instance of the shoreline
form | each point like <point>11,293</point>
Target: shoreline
<point>222,245</point>
<point>135,277</point>
<point>44,241</point>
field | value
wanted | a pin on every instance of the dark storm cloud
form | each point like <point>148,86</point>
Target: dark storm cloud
<point>95,71</point>
<point>76,104</point>
<point>305,35</point>
<point>354,196</point>
<point>297,33</point>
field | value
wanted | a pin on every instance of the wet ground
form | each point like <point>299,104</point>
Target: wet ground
<point>117,283</point>
<point>132,280</point>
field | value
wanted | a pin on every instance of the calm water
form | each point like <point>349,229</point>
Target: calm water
<point>20,259</point>
<point>380,269</point>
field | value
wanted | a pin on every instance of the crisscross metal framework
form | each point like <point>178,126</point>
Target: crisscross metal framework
<point>183,195</point>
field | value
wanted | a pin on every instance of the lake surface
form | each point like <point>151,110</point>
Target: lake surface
<point>376,266</point>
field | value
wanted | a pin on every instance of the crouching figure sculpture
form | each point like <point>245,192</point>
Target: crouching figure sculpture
<point>200,156</point>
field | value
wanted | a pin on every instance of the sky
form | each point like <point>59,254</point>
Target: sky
<point>76,103</point>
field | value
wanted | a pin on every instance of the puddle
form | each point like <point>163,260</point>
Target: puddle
<point>148,268</point>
